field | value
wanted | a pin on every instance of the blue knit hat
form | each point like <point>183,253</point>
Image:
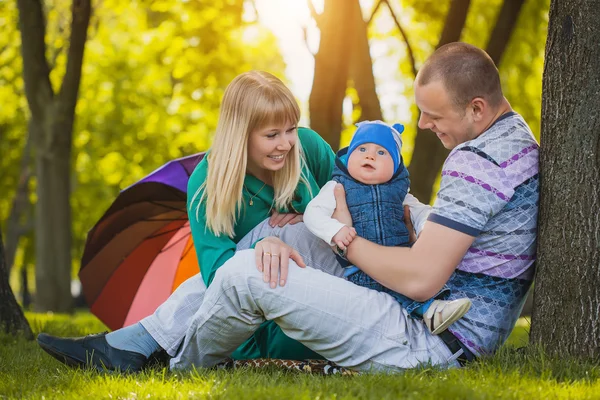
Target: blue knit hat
<point>382,134</point>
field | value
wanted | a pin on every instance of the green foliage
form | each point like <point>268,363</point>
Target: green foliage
<point>13,112</point>
<point>152,80</point>
<point>509,374</point>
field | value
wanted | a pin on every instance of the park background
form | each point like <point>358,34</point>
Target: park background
<point>144,86</point>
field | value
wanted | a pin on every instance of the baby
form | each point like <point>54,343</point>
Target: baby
<point>376,184</point>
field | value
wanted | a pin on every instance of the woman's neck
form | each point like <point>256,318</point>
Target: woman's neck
<point>261,174</point>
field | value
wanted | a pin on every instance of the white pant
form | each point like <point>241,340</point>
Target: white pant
<point>171,320</point>
<point>350,325</point>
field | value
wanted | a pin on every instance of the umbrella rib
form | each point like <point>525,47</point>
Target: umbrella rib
<point>185,253</point>
<point>173,244</point>
<point>157,203</point>
<point>163,233</point>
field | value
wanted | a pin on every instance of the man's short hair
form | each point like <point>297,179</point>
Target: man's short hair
<point>465,71</point>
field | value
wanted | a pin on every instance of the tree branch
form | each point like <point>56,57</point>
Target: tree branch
<point>81,11</point>
<point>409,49</point>
<point>505,24</point>
<point>36,72</point>
<point>314,14</point>
<point>455,21</point>
<point>305,37</point>
<point>375,9</point>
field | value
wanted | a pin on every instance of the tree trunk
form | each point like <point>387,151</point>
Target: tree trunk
<point>566,315</point>
<point>429,154</point>
<point>53,116</point>
<point>361,71</point>
<point>507,19</point>
<point>332,63</point>
<point>12,319</point>
<point>15,226</point>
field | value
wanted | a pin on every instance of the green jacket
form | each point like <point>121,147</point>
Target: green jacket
<point>213,251</point>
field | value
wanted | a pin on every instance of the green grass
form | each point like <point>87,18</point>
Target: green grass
<point>26,372</point>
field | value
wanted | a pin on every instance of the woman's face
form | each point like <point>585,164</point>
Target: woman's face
<point>268,148</point>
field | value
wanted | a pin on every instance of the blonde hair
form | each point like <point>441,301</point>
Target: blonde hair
<point>253,100</point>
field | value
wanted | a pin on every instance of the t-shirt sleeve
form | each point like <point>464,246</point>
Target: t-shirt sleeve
<point>212,251</point>
<point>473,188</point>
<point>318,154</point>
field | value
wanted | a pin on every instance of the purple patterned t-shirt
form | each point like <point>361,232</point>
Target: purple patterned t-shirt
<point>490,190</point>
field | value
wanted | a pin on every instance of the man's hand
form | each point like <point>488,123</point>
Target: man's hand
<point>341,212</point>
<point>272,259</point>
<point>344,237</point>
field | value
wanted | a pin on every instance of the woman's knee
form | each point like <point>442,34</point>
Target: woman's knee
<point>237,268</point>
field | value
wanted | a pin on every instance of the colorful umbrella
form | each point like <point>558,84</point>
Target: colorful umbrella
<point>141,249</point>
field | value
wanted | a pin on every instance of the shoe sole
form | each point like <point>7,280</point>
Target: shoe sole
<point>455,316</point>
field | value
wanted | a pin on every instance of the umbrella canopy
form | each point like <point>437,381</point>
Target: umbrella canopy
<point>141,249</point>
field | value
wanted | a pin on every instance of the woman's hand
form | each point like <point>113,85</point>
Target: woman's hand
<point>281,220</point>
<point>272,259</point>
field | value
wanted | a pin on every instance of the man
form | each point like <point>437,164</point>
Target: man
<point>479,240</point>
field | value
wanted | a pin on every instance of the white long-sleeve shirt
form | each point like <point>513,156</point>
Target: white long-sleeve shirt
<point>317,215</point>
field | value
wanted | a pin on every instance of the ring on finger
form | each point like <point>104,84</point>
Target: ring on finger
<point>266,253</point>
<point>274,255</point>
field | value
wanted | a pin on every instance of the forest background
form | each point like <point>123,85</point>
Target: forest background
<point>153,74</point>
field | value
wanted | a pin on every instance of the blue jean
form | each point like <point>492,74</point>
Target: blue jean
<point>415,309</point>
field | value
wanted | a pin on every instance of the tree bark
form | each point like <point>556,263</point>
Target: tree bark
<point>429,154</point>
<point>53,117</point>
<point>566,315</point>
<point>12,319</point>
<point>332,63</point>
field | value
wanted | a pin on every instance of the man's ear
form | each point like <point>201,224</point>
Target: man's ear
<point>478,107</point>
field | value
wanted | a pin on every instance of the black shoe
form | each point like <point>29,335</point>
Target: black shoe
<point>92,351</point>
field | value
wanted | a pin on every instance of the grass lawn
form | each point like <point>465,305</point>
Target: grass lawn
<point>26,372</point>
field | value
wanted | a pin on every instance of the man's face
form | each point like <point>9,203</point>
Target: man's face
<point>451,124</point>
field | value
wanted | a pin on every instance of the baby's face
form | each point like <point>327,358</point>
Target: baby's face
<point>371,164</point>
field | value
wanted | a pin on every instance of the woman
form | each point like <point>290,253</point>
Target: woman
<point>259,166</point>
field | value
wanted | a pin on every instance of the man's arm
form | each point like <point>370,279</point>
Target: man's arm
<point>418,272</point>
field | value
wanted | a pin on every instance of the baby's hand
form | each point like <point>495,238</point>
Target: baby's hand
<point>344,237</point>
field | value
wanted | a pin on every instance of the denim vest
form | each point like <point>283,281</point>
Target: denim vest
<point>377,211</point>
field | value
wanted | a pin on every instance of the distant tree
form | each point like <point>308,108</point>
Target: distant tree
<point>566,313</point>
<point>12,319</point>
<point>51,127</point>
<point>332,67</point>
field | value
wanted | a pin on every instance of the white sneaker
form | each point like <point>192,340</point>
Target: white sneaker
<point>442,313</point>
